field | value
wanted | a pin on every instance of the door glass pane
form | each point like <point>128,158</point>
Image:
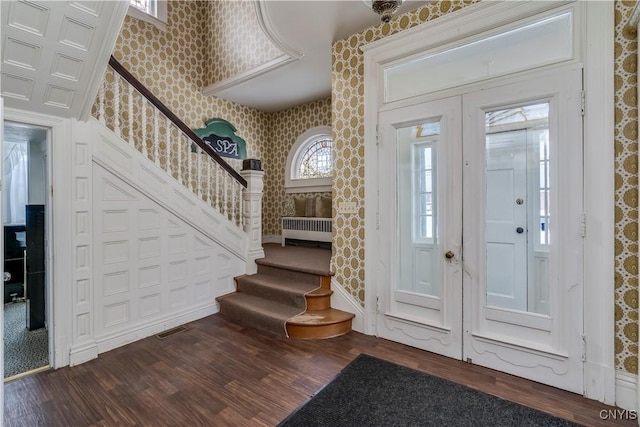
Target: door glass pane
<point>417,208</point>
<point>518,215</point>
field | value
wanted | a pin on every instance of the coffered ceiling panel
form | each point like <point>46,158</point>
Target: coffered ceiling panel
<point>54,53</point>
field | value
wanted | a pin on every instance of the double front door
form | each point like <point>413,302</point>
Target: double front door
<point>480,227</point>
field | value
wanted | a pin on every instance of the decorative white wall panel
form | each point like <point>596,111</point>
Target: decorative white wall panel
<point>55,53</point>
<point>160,254</point>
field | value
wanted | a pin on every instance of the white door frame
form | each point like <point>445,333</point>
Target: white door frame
<point>597,59</point>
<point>59,260</point>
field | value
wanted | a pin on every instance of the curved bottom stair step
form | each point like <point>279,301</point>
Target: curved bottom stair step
<point>318,324</point>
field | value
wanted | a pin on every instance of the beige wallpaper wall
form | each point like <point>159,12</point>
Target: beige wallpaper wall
<point>232,24</point>
<point>348,119</point>
<point>284,128</point>
<point>626,190</point>
<point>172,63</point>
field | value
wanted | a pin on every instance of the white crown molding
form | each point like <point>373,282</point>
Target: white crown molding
<point>216,88</point>
<point>270,31</point>
<point>289,55</point>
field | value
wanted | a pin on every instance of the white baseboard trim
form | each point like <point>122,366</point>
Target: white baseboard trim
<point>626,389</point>
<point>81,353</point>
<point>272,238</point>
<point>132,334</point>
<point>343,300</point>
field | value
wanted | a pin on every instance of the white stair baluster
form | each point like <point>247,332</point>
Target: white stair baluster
<point>199,171</point>
<point>116,105</point>
<point>168,142</point>
<point>189,165</point>
<point>179,148</point>
<point>143,102</point>
<point>130,114</point>
<point>101,102</point>
<point>156,136</point>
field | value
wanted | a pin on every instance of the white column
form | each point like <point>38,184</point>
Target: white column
<point>252,214</point>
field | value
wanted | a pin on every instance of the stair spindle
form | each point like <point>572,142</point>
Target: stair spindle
<point>190,185</point>
<point>101,113</point>
<point>208,181</point>
<point>156,136</point>
<point>179,150</point>
<point>199,152</point>
<point>144,127</point>
<point>169,130</point>
<point>116,105</point>
<point>130,114</point>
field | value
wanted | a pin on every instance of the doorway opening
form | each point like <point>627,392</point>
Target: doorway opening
<point>25,219</point>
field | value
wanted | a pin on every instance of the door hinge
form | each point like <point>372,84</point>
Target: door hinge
<point>583,225</point>
<point>1,184</point>
<point>377,304</point>
<point>52,191</point>
<point>583,102</point>
<point>377,136</point>
<point>584,348</point>
<point>377,220</point>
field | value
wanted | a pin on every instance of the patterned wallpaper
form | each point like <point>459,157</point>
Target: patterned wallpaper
<point>233,24</point>
<point>284,129</point>
<point>626,191</point>
<point>348,130</point>
<point>172,63</point>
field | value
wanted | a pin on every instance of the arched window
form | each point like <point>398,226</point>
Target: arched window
<point>309,163</point>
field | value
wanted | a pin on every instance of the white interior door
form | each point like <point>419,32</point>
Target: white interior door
<point>420,181</point>
<point>503,167</point>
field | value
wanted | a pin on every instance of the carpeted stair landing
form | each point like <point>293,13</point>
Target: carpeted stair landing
<point>290,295</point>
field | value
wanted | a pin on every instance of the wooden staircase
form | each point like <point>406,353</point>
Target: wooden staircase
<point>287,297</point>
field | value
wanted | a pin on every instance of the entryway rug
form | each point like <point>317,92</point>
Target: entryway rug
<point>374,392</point>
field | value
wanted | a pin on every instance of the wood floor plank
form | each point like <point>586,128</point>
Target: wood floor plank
<point>220,374</point>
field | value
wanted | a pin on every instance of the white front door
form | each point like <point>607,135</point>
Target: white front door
<point>480,228</point>
<point>420,164</point>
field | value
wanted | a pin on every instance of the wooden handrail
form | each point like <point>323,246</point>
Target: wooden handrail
<point>119,68</point>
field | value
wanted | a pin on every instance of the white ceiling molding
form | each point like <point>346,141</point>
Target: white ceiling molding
<point>55,53</point>
<point>289,55</point>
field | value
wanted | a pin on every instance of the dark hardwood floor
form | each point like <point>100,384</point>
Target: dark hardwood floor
<point>220,374</point>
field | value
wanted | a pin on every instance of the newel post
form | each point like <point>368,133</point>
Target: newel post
<point>252,211</point>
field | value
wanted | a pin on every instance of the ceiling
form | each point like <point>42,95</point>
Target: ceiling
<point>311,27</point>
<point>54,53</point>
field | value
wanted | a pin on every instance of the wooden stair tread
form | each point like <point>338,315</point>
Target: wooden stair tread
<point>320,292</point>
<point>321,317</point>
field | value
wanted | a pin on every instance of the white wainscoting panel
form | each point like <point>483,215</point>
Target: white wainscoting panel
<point>150,266</point>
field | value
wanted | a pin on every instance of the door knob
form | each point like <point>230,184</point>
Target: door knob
<point>449,255</point>
<point>519,230</point>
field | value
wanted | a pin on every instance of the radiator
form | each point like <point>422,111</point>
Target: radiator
<point>301,228</point>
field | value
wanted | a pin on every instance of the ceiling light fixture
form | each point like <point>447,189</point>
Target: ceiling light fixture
<point>385,8</point>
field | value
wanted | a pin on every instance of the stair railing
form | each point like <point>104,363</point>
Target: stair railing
<point>131,111</point>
